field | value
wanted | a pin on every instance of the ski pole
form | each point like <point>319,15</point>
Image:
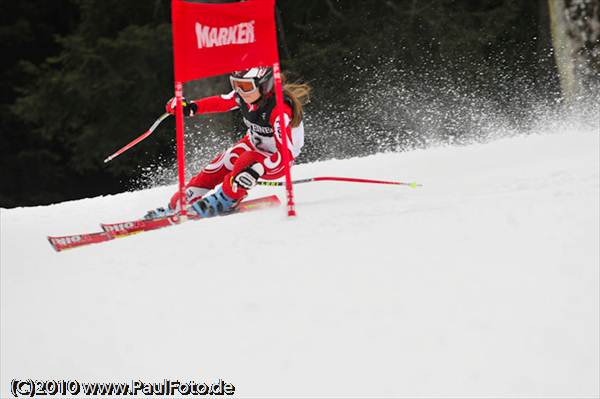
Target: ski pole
<point>142,137</point>
<point>342,179</point>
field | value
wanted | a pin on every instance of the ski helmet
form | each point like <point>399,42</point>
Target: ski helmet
<point>247,81</point>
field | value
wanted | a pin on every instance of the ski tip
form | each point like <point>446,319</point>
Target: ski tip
<point>52,244</point>
<point>414,185</point>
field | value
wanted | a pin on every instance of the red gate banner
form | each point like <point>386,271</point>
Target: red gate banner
<point>214,39</point>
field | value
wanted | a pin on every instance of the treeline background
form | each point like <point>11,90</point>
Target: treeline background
<point>81,78</point>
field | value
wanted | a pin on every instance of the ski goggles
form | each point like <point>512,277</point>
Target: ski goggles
<point>242,85</point>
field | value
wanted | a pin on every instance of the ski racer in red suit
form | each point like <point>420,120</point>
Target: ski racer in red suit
<point>256,155</point>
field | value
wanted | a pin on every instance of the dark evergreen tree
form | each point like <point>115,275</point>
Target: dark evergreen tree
<point>107,83</point>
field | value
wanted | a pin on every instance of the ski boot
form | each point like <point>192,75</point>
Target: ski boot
<point>159,213</point>
<point>215,204</point>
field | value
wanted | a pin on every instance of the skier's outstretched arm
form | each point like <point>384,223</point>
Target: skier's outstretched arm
<point>207,105</point>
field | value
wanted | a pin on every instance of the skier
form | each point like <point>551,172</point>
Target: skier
<point>256,155</point>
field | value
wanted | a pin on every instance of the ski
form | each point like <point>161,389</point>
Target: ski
<point>60,243</point>
<point>124,229</point>
<point>135,226</point>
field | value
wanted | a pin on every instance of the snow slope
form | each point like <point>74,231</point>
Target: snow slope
<point>485,282</point>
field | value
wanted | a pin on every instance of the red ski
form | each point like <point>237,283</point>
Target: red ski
<point>124,229</point>
<point>135,226</point>
<point>67,242</point>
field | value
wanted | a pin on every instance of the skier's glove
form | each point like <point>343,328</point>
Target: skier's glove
<point>189,107</point>
<point>248,177</point>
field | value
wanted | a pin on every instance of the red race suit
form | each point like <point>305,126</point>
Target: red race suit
<point>260,144</point>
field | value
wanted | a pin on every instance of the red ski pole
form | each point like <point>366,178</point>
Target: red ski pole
<point>142,137</point>
<point>341,179</point>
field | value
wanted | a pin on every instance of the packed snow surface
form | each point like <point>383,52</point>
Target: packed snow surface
<point>483,282</point>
